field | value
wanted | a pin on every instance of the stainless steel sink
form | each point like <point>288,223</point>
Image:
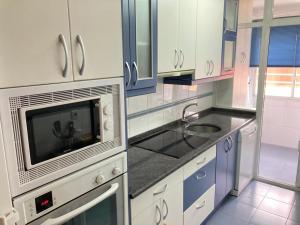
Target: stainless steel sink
<point>203,128</point>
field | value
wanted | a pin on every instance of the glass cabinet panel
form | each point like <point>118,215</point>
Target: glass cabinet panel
<point>229,55</point>
<point>231,15</point>
<point>143,39</point>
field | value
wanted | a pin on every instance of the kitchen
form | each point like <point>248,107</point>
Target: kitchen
<point>130,112</point>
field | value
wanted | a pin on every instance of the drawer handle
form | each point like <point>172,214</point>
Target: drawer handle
<point>159,213</point>
<point>162,191</point>
<point>202,205</point>
<point>200,177</point>
<point>167,209</point>
<point>201,162</point>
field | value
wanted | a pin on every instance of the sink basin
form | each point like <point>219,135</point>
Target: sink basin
<point>203,128</point>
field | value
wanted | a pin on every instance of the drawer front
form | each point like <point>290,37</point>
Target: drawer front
<point>199,162</point>
<point>198,183</point>
<point>201,209</point>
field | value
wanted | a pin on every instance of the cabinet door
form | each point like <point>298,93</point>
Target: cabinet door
<point>231,167</point>
<point>209,38</point>
<point>96,32</point>
<point>172,205</point>
<point>168,31</point>
<point>221,171</point>
<point>231,15</point>
<point>31,51</point>
<point>149,216</point>
<point>187,34</point>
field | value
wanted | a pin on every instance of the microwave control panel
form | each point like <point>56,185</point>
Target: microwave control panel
<point>107,118</point>
<point>41,201</point>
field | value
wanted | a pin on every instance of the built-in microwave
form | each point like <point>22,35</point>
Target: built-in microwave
<point>50,131</point>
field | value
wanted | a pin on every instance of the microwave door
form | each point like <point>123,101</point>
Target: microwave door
<point>102,206</point>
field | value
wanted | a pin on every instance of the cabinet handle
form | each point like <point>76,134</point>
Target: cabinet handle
<point>202,205</point>
<point>182,54</point>
<point>162,191</point>
<point>198,177</point>
<point>213,67</point>
<point>226,145</point>
<point>137,73</point>
<point>176,59</point>
<point>62,40</point>
<point>231,143</point>
<point>80,42</point>
<point>208,67</point>
<point>167,209</point>
<point>129,73</point>
<point>159,213</point>
<point>201,162</point>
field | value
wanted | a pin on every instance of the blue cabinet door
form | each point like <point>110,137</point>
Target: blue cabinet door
<point>140,54</point>
<point>231,163</point>
<point>221,171</point>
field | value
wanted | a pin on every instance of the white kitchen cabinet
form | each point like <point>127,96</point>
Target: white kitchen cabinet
<point>209,38</point>
<point>176,35</point>
<point>31,51</point>
<point>96,34</point>
<point>161,204</point>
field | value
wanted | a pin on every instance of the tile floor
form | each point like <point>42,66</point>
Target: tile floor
<point>260,204</point>
<point>276,160</point>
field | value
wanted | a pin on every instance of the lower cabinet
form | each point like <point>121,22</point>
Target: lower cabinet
<point>201,209</point>
<point>225,167</point>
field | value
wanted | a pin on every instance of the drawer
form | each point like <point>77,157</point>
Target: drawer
<point>198,183</point>
<point>148,197</point>
<point>201,209</point>
<point>200,161</point>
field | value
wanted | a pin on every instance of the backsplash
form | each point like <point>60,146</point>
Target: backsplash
<point>166,94</point>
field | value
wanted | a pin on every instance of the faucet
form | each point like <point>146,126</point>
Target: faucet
<point>183,119</point>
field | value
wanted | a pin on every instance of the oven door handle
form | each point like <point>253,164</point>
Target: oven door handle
<point>70,215</point>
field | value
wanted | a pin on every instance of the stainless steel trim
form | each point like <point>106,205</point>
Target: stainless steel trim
<point>62,40</point>
<point>80,41</point>
<point>184,110</point>
<point>137,73</point>
<point>129,73</point>
<point>181,54</point>
<point>158,210</point>
<point>167,208</point>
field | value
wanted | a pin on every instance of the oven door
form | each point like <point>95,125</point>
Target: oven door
<point>102,206</point>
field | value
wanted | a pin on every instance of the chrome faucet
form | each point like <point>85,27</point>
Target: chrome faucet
<point>183,119</point>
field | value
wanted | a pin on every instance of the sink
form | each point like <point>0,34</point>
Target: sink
<point>203,128</point>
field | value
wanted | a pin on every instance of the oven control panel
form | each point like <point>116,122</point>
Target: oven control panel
<point>47,198</point>
<point>107,125</point>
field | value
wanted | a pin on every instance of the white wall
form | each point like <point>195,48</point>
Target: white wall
<point>281,124</point>
<point>165,94</point>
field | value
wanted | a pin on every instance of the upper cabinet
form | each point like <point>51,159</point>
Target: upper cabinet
<point>230,18</point>
<point>96,36</point>
<point>35,43</point>
<point>209,38</point>
<point>140,46</point>
<point>38,46</point>
<point>176,35</point>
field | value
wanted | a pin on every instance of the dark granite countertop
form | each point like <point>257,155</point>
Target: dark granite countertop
<point>146,168</point>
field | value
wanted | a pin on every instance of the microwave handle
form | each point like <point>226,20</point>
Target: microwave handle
<point>70,215</point>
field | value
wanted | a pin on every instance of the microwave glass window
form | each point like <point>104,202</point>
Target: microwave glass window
<point>105,213</point>
<point>58,130</point>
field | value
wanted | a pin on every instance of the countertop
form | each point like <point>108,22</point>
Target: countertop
<point>146,168</point>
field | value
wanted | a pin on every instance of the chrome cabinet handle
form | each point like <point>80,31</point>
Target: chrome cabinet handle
<point>137,73</point>
<point>198,177</point>
<point>167,209</point>
<point>79,40</point>
<point>62,40</point>
<point>226,145</point>
<point>208,67</point>
<point>201,162</point>
<point>181,54</point>
<point>162,191</point>
<point>129,73</point>
<point>213,67</point>
<point>231,142</point>
<point>159,213</point>
<point>202,205</point>
<point>176,59</point>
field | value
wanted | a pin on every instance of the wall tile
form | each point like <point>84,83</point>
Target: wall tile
<point>137,104</point>
<point>155,120</point>
<point>156,99</point>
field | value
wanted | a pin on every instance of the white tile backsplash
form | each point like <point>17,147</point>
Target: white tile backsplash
<point>165,94</point>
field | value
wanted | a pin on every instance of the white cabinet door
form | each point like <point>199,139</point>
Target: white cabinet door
<point>172,205</point>
<point>209,38</point>
<point>98,51</point>
<point>149,216</point>
<point>187,34</point>
<point>167,35</point>
<point>30,50</point>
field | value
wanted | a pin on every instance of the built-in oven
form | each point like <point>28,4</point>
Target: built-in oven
<point>95,195</point>
<point>50,131</point>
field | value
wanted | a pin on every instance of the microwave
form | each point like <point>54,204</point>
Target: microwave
<point>50,131</point>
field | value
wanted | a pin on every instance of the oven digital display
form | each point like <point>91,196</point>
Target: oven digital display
<point>43,202</point>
